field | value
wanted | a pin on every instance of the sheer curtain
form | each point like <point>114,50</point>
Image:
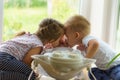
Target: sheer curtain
<point>1,19</point>
<point>103,17</point>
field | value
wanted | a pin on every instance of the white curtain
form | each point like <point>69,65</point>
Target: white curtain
<point>103,17</point>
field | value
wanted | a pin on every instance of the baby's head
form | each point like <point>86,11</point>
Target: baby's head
<point>50,31</point>
<point>76,27</point>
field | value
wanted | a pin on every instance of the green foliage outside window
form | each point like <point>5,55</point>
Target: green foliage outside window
<point>25,3</point>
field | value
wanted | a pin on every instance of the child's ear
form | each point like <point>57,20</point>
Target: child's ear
<point>77,34</point>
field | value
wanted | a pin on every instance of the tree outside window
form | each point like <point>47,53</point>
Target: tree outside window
<point>25,15</point>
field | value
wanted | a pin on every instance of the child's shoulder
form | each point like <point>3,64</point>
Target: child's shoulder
<point>25,38</point>
<point>87,38</point>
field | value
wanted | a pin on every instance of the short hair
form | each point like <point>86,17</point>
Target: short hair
<point>78,23</point>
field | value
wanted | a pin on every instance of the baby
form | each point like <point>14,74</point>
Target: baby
<point>77,30</point>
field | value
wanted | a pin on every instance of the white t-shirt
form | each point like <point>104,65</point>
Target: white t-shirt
<point>20,45</point>
<point>104,54</point>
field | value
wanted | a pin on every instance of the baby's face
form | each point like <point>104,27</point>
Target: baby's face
<point>71,37</point>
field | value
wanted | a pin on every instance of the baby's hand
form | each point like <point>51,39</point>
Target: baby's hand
<point>63,41</point>
<point>81,47</point>
<point>48,46</point>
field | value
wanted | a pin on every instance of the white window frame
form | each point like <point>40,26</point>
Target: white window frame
<point>1,19</point>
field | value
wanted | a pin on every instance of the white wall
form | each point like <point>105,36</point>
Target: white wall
<point>103,17</point>
<point>1,19</point>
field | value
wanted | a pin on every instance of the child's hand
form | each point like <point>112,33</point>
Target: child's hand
<point>81,47</point>
<point>63,41</point>
<point>48,46</point>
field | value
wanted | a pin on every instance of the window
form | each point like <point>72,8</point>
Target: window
<point>25,15</point>
<point>1,19</point>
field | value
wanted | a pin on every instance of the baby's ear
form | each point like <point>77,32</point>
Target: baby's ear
<point>77,34</point>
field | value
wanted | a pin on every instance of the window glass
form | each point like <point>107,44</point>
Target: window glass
<point>25,15</point>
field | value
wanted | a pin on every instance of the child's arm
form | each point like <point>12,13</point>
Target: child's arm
<point>92,48</point>
<point>27,58</point>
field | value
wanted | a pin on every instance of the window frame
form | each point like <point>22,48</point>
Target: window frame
<point>1,19</point>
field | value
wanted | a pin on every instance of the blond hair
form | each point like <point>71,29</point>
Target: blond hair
<point>78,23</point>
<point>50,29</point>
